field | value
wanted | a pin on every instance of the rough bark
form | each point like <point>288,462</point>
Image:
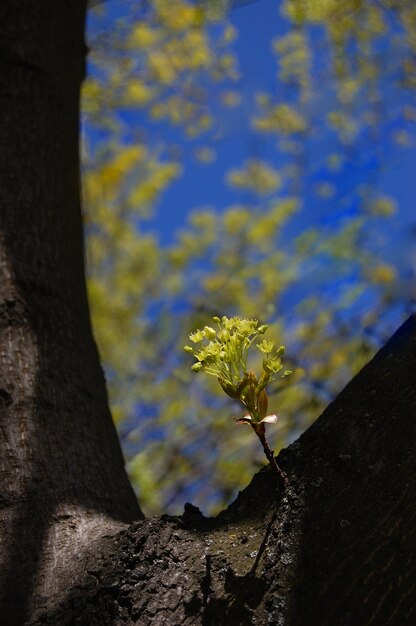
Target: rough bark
<point>62,475</point>
<point>338,546</point>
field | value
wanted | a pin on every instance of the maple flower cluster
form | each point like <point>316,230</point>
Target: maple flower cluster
<point>223,353</point>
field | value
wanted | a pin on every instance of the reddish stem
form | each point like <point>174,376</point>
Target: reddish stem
<point>261,434</point>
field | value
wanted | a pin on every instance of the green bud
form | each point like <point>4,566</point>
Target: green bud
<point>224,335</point>
<point>197,336</point>
<point>209,332</point>
<point>229,388</point>
<point>223,354</point>
<point>265,346</point>
<point>272,366</point>
<point>276,365</point>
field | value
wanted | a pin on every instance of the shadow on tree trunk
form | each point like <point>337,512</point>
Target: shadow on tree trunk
<point>359,531</point>
<point>63,479</point>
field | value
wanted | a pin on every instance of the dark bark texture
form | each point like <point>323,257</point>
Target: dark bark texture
<point>337,547</point>
<point>62,478</point>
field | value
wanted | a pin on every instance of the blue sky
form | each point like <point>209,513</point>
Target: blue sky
<point>389,168</point>
<point>200,184</point>
<point>257,24</point>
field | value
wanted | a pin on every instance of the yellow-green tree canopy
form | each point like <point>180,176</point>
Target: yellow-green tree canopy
<point>319,281</point>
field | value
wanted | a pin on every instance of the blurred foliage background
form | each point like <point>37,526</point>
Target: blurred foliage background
<point>302,230</point>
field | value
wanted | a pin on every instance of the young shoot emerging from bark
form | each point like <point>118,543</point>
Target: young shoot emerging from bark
<point>223,353</point>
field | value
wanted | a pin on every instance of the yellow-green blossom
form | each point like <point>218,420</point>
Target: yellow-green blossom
<point>266,346</point>
<point>223,353</point>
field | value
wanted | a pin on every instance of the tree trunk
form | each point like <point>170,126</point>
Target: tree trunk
<point>62,474</point>
<point>337,547</point>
